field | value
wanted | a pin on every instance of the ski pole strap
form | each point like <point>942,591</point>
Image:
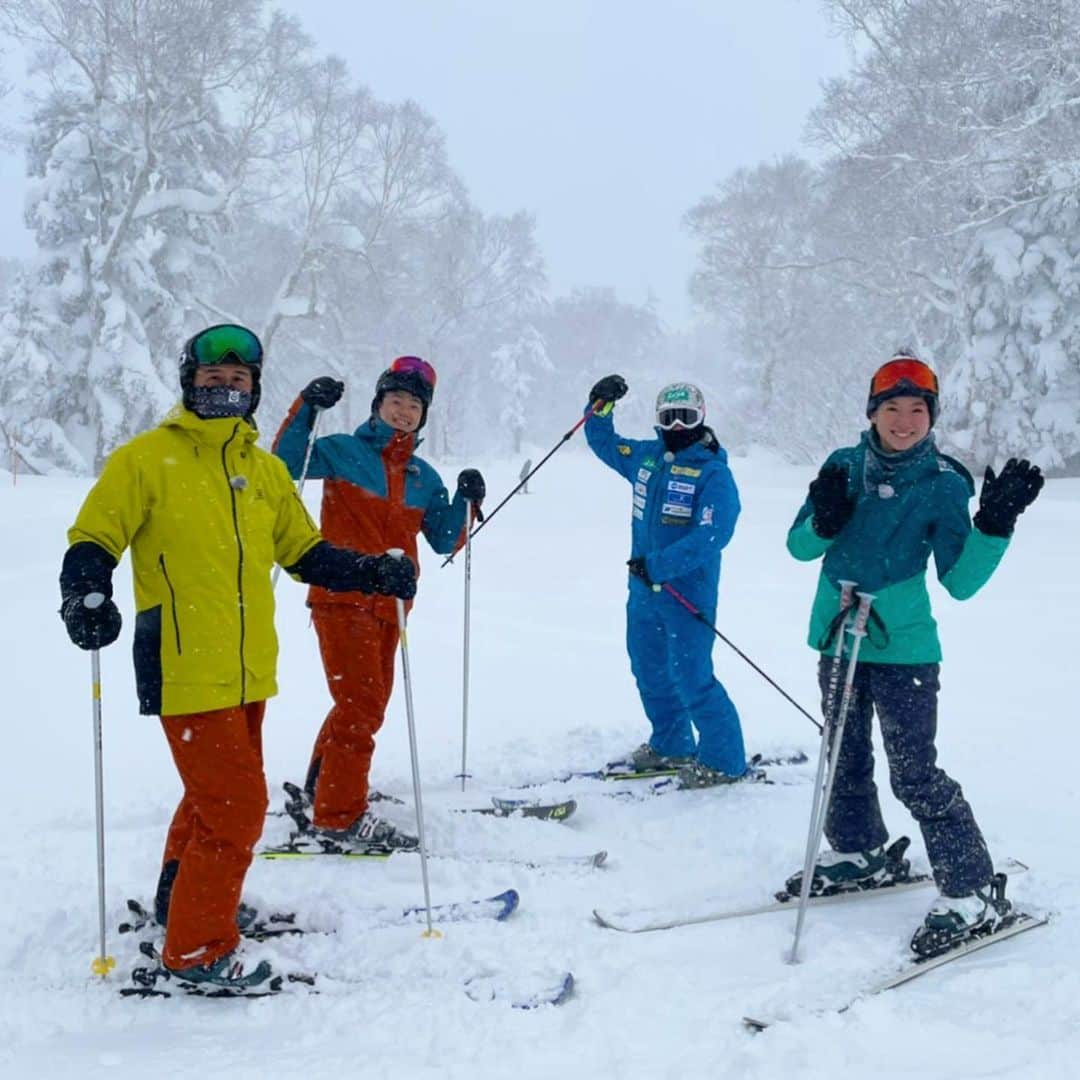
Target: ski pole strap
<point>876,630</point>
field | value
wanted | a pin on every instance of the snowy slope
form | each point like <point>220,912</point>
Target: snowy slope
<point>551,689</point>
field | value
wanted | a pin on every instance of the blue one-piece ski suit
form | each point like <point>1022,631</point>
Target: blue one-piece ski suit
<point>685,506</point>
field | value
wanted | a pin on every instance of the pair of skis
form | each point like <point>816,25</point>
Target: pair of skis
<point>519,990</point>
<point>1016,922</point>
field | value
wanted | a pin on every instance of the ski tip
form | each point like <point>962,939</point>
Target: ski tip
<point>510,901</point>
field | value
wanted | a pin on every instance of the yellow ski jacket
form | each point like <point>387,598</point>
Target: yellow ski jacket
<point>206,514</point>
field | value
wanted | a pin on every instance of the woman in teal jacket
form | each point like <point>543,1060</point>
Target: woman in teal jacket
<point>876,513</point>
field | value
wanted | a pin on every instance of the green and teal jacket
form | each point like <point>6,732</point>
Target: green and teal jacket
<point>907,506</point>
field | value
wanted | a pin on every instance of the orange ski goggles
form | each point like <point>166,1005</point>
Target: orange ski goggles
<point>904,371</point>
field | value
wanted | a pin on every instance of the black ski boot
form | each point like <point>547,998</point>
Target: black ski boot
<point>954,919</point>
<point>840,872</point>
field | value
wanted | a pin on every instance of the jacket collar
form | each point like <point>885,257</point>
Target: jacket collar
<point>385,439</point>
<point>214,433</point>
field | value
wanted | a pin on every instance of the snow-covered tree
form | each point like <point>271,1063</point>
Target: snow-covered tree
<point>149,118</point>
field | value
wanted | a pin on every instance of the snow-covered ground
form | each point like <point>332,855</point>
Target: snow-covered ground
<point>551,689</point>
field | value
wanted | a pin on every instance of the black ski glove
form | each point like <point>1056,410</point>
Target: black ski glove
<point>323,393</point>
<point>393,576</point>
<point>832,506</point>
<point>344,570</point>
<point>608,390</point>
<point>91,627</point>
<point>637,568</point>
<point>470,485</point>
<point>1004,498</point>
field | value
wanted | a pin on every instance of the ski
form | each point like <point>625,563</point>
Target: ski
<point>297,848</point>
<point>624,770</point>
<point>646,920</point>
<point>1018,922</point>
<point>281,924</point>
<point>555,811</point>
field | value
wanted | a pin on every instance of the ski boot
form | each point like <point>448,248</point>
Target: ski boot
<point>954,919</point>
<point>696,775</point>
<point>368,835</point>
<point>227,973</point>
<point>854,871</point>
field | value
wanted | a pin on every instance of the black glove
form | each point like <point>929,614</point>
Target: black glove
<point>1004,498</point>
<point>637,568</point>
<point>91,627</point>
<point>609,388</point>
<point>470,485</point>
<point>392,576</point>
<point>832,506</point>
<point>323,393</point>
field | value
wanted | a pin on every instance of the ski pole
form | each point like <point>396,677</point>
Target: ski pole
<point>523,481</point>
<point>675,594</point>
<point>431,932</point>
<point>831,743</point>
<point>312,435</point>
<point>847,589</point>
<point>465,650</point>
<point>103,963</point>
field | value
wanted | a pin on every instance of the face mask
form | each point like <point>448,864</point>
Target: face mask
<point>218,402</point>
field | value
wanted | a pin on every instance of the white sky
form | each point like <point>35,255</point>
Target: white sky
<point>605,120</point>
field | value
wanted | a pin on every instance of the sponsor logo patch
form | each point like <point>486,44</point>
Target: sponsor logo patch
<point>643,475</point>
<point>676,511</point>
<point>639,502</point>
<point>684,470</point>
<point>639,514</point>
<point>641,489</point>
<point>706,515</point>
<point>679,485</point>
<point>624,449</point>
<point>665,520</point>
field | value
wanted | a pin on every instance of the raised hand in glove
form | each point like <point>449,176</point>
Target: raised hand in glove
<point>323,393</point>
<point>470,485</point>
<point>93,626</point>
<point>832,505</point>
<point>637,569</point>
<point>608,390</point>
<point>1004,498</point>
<point>393,576</point>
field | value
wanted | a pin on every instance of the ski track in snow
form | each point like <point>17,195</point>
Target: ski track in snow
<point>551,690</point>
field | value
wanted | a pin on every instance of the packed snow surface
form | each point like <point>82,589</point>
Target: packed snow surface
<point>551,689</point>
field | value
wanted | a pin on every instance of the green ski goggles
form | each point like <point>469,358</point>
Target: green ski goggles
<point>226,344</point>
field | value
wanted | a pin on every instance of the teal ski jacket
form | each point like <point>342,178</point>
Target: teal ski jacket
<point>907,506</point>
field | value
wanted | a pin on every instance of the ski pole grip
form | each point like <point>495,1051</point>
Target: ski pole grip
<point>93,600</point>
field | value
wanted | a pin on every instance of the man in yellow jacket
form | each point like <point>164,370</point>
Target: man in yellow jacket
<point>206,514</point>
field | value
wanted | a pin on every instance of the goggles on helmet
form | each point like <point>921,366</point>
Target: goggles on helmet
<point>413,365</point>
<point>226,344</point>
<point>904,371</point>
<point>673,416</point>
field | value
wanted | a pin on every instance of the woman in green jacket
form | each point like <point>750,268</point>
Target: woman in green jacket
<point>875,514</point>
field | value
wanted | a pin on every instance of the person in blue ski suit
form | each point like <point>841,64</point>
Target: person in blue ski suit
<point>685,505</point>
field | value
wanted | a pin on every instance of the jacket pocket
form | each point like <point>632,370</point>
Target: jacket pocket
<point>147,655</point>
<point>172,604</point>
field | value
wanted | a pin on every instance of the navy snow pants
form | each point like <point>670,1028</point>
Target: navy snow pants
<point>905,699</point>
<point>671,658</point>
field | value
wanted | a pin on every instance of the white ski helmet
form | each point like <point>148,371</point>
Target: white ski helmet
<point>680,404</point>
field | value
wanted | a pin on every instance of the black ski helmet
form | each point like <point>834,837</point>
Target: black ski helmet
<point>223,343</point>
<point>413,376</point>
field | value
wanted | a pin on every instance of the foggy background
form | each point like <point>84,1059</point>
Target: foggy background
<point>768,201</point>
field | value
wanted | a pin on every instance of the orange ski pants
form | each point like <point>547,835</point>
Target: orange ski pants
<point>215,828</point>
<point>358,657</point>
